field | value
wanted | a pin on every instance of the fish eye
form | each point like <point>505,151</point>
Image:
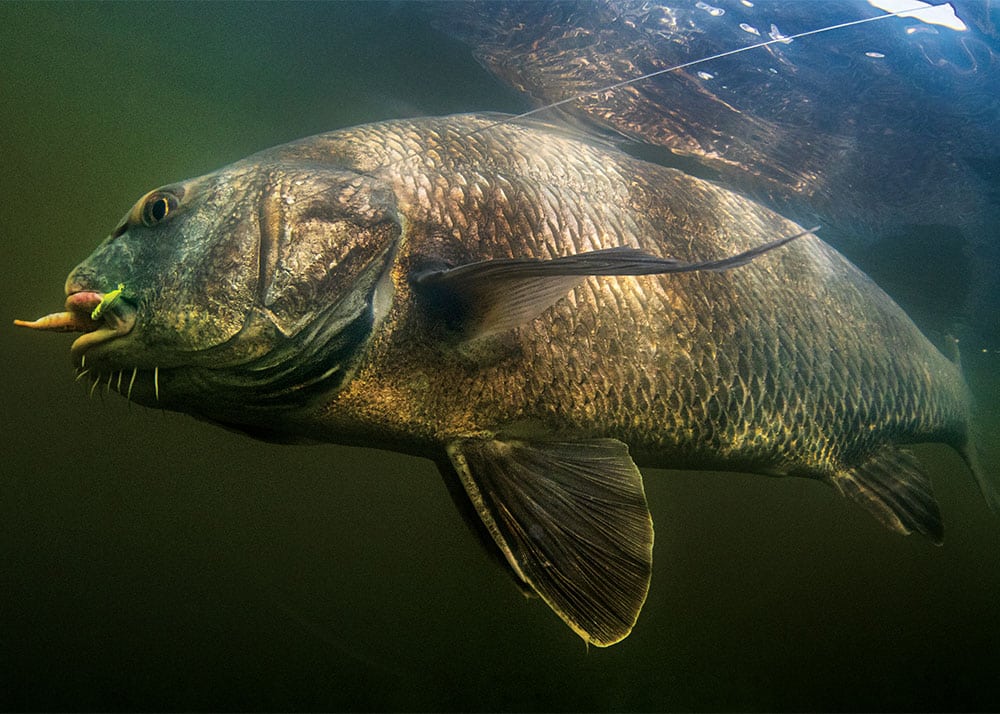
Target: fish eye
<point>157,207</point>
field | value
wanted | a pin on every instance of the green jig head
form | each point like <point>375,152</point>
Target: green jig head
<point>107,301</point>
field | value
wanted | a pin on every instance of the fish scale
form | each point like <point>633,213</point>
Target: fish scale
<point>537,338</point>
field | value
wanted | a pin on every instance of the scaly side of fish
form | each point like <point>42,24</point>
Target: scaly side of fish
<point>535,312</point>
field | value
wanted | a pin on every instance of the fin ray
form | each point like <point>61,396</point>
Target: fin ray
<point>893,487</point>
<point>572,522</point>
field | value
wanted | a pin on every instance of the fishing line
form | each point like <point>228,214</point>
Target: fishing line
<point>783,39</point>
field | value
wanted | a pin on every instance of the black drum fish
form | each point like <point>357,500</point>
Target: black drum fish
<point>536,312</point>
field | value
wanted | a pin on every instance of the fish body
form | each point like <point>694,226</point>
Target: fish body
<point>536,312</point>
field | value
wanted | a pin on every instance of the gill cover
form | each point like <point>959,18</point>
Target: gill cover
<point>327,237</point>
<point>320,234</point>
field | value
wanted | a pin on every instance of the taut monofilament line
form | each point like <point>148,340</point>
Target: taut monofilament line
<point>782,39</point>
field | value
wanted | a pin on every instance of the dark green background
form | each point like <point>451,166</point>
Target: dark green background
<point>148,561</point>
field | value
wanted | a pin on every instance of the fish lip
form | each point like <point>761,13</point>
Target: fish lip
<point>116,320</point>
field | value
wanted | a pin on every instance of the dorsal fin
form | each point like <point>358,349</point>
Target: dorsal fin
<point>782,39</point>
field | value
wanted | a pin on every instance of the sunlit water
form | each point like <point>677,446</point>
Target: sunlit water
<point>152,562</point>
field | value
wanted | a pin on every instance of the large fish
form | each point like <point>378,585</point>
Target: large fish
<point>536,312</point>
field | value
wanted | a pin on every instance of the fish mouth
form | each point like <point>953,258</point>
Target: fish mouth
<point>115,320</point>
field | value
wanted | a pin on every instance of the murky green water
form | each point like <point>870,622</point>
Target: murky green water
<point>148,561</point>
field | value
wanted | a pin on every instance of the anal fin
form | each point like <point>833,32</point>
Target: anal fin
<point>571,521</point>
<point>892,486</point>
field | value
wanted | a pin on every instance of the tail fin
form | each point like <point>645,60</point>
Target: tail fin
<point>987,485</point>
<point>970,454</point>
<point>970,451</point>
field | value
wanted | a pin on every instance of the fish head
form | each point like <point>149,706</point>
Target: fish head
<point>236,294</point>
<point>183,256</point>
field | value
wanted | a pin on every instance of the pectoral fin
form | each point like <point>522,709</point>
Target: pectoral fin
<point>892,485</point>
<point>571,520</point>
<point>495,295</point>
